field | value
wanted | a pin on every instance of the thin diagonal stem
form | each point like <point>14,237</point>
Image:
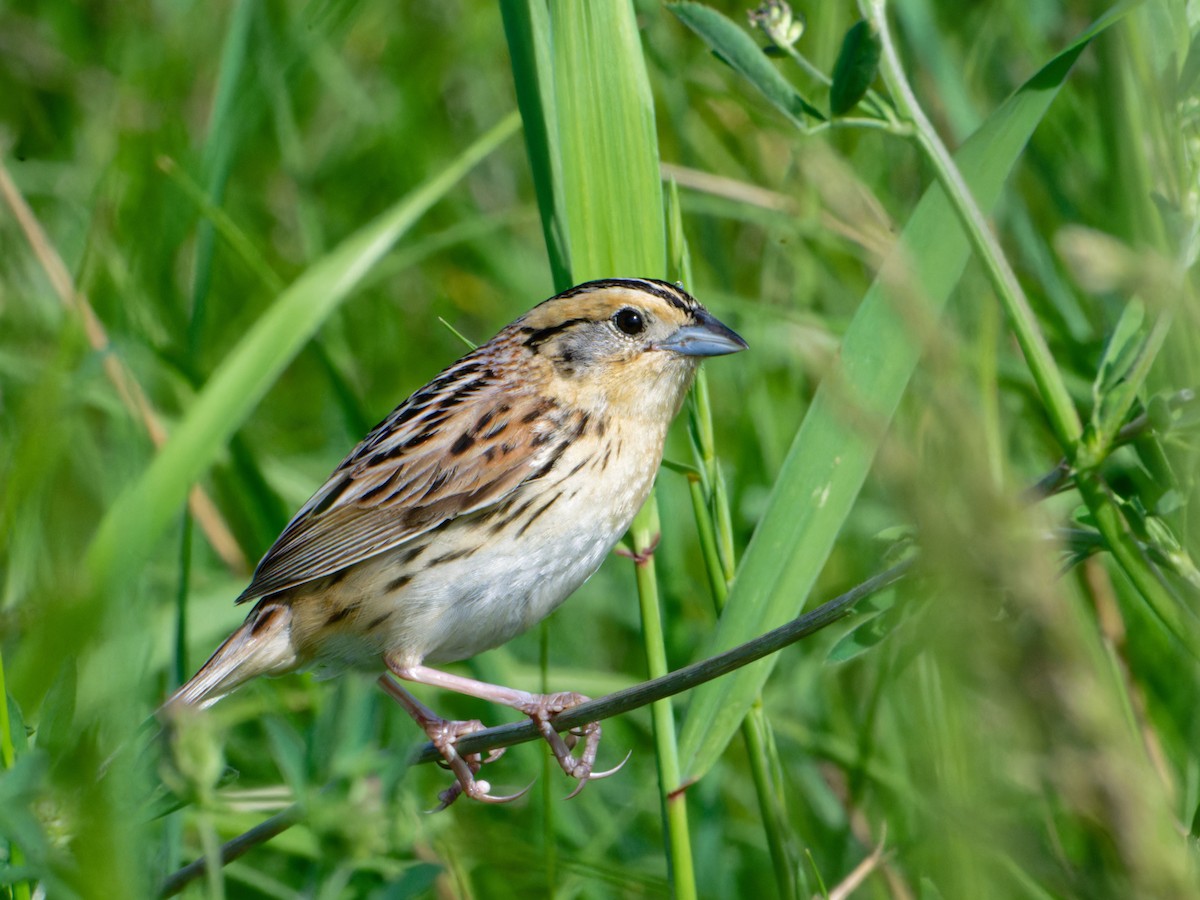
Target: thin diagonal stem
<point>711,508</point>
<point>127,388</point>
<point>1060,409</point>
<point>593,711</point>
<point>681,679</point>
<point>231,850</point>
<point>1064,418</point>
<point>8,758</point>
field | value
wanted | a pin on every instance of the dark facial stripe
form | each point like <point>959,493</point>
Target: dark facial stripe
<point>539,336</point>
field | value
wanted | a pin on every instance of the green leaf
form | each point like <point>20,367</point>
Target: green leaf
<point>527,30</point>
<point>17,735</point>
<point>612,195</point>
<point>745,57</point>
<point>1127,360</point>
<point>21,788</point>
<point>833,450</point>
<point>1159,412</point>
<point>289,750</point>
<point>1190,71</point>
<point>855,69</point>
<point>58,710</point>
<point>130,529</point>
<point>1121,353</point>
<point>611,185</point>
<point>863,637</point>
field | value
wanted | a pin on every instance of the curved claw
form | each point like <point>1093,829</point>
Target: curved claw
<point>598,776</point>
<point>579,787</point>
<point>477,791</point>
<point>445,798</point>
<point>480,790</point>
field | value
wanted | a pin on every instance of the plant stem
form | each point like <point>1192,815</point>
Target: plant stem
<point>1099,440</point>
<point>593,711</point>
<point>181,601</point>
<point>711,508</point>
<point>231,850</point>
<point>8,758</point>
<point>680,680</point>
<point>1064,418</point>
<point>1059,407</point>
<point>644,534</point>
<point>1110,522</point>
<point>873,100</point>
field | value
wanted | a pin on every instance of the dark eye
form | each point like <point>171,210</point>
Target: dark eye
<point>630,321</point>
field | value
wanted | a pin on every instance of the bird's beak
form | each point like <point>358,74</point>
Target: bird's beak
<point>708,337</point>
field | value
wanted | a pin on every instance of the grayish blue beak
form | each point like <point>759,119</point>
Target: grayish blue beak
<point>708,337</point>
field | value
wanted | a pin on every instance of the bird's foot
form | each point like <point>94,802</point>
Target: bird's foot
<point>445,734</point>
<point>542,708</point>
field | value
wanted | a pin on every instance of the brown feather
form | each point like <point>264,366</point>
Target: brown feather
<point>411,474</point>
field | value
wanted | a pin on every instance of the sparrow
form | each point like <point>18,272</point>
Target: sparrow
<point>477,507</point>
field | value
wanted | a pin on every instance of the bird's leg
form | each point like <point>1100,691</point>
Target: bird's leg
<point>444,733</point>
<point>643,556</point>
<point>541,708</point>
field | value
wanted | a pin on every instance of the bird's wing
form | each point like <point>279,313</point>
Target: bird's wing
<point>457,446</point>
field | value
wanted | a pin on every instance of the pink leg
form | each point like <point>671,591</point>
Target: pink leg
<point>444,733</point>
<point>541,708</point>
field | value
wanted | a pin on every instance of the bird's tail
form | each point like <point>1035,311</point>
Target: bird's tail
<point>261,646</point>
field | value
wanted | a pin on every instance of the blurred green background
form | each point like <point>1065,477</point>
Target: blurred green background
<point>1012,721</point>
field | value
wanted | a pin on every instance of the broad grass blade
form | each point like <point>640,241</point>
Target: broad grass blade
<point>143,513</point>
<point>611,184</point>
<point>832,452</point>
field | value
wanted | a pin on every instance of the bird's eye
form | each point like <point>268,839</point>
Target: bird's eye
<point>630,321</point>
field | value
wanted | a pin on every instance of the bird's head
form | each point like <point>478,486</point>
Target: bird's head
<point>629,344</point>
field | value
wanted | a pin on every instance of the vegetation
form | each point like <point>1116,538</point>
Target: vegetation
<point>961,242</point>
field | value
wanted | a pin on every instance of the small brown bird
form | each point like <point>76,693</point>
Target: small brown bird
<point>474,509</point>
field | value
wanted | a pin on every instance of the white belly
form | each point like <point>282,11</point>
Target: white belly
<point>480,580</point>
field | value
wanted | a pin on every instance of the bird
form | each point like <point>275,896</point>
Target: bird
<point>474,509</point>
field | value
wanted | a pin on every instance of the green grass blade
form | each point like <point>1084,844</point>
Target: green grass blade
<point>611,182</point>
<point>527,30</point>
<point>832,452</point>
<point>612,194</point>
<point>129,530</point>
<point>223,130</point>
